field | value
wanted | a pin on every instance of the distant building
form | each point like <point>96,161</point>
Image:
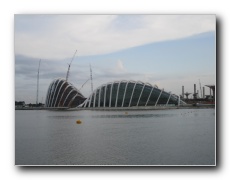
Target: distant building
<point>19,104</point>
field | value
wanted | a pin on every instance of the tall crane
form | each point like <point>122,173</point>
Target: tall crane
<point>38,81</point>
<point>67,75</point>
<point>200,89</point>
<point>91,77</point>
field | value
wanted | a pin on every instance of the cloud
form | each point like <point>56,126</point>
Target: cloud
<point>120,66</point>
<point>58,36</point>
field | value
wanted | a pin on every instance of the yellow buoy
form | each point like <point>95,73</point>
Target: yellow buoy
<point>78,121</point>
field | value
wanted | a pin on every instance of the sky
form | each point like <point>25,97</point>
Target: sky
<point>170,51</point>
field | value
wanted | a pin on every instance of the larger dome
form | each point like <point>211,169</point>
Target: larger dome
<point>63,94</point>
<point>128,94</point>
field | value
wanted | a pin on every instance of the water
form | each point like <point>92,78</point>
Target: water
<point>158,137</point>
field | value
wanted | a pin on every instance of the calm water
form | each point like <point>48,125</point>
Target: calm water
<point>159,137</point>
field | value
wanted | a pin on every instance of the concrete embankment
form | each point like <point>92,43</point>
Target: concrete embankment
<point>40,108</point>
<point>200,106</point>
<point>187,106</point>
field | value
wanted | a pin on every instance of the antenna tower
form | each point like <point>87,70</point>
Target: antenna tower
<point>91,77</point>
<point>67,75</point>
<point>38,81</point>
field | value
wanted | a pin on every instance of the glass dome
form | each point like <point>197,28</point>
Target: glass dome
<point>63,94</point>
<point>129,94</point>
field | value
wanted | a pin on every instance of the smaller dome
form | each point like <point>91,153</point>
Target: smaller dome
<point>63,94</point>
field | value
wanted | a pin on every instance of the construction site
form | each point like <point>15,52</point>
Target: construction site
<point>199,97</point>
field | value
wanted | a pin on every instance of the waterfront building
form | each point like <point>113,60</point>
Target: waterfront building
<point>110,95</point>
<point>129,94</point>
<point>63,94</point>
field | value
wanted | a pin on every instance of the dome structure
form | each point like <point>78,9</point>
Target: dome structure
<point>128,94</point>
<point>63,94</point>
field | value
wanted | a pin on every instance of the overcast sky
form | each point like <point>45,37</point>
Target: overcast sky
<point>166,50</point>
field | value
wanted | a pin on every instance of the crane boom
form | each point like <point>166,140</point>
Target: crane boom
<point>84,84</point>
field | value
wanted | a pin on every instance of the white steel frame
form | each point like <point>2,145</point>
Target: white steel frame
<point>125,93</point>
<point>140,94</point>
<point>168,99</point>
<point>63,94</point>
<point>149,96</point>
<point>118,88</point>
<point>94,99</point>
<point>72,99</point>
<point>105,94</point>
<point>55,91</point>
<point>48,92</point>
<point>68,96</point>
<point>158,97</point>
<point>59,93</point>
<point>132,93</point>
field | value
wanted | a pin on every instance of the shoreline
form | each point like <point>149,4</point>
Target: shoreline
<point>196,106</point>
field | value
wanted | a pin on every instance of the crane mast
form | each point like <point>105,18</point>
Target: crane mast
<point>200,89</point>
<point>67,75</point>
<point>91,77</point>
<point>38,81</point>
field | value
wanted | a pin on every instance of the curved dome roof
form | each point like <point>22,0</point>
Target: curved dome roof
<point>63,94</point>
<point>128,94</point>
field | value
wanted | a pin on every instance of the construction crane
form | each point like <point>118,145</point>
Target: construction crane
<point>200,89</point>
<point>67,75</point>
<point>91,77</point>
<point>38,81</point>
